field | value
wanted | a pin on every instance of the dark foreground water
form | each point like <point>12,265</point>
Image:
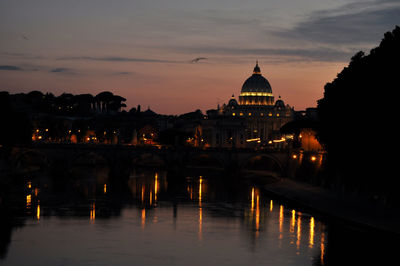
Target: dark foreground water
<point>151,218</point>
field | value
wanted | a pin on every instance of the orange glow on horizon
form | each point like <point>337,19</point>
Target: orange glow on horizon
<point>299,84</point>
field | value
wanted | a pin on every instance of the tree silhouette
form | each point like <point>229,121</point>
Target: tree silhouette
<point>15,125</point>
<point>103,100</point>
<point>358,115</point>
<point>84,103</point>
<point>116,103</point>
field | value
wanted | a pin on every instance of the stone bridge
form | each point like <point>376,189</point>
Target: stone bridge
<point>117,156</point>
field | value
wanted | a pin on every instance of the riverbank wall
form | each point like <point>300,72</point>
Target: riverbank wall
<point>347,209</point>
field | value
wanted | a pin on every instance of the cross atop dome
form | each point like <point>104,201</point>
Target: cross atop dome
<point>257,69</point>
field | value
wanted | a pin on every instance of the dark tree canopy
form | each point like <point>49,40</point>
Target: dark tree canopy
<point>358,111</point>
<point>358,106</point>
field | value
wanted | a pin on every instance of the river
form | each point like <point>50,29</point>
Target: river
<point>86,217</point>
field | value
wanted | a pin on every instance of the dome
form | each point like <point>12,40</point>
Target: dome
<point>256,83</point>
<point>232,102</point>
<point>256,90</point>
<point>279,103</point>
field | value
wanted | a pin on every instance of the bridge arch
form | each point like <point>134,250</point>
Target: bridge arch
<point>149,159</point>
<point>30,158</point>
<point>88,158</point>
<point>267,163</point>
<point>204,160</point>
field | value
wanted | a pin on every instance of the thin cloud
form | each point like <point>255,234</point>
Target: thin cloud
<point>287,54</point>
<point>331,35</point>
<point>62,70</point>
<point>123,73</point>
<point>10,68</point>
<point>116,59</point>
<point>352,24</point>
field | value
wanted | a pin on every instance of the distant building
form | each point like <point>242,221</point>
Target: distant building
<point>304,129</point>
<point>253,121</point>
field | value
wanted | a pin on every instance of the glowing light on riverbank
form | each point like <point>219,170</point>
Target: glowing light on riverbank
<point>252,199</point>
<point>28,201</point>
<point>142,197</point>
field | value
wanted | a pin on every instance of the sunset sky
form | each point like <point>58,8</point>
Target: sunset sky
<point>144,50</point>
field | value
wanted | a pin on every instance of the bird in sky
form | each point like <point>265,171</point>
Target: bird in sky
<point>24,37</point>
<point>196,60</point>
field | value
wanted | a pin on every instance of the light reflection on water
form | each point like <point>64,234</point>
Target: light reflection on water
<point>151,221</point>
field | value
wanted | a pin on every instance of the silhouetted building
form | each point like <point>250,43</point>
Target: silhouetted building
<point>304,128</point>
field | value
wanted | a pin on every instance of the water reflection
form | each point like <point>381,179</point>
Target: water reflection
<point>143,218</point>
<point>38,212</point>
<point>215,214</point>
<point>298,232</point>
<point>322,258</point>
<point>93,212</point>
<point>145,187</point>
<point>311,238</point>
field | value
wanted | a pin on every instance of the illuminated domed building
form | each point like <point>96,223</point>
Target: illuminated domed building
<point>256,90</point>
<point>257,111</point>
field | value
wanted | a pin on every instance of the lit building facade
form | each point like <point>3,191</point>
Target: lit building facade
<point>258,116</point>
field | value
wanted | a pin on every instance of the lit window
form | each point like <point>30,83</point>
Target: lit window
<point>233,114</point>
<point>249,114</point>
<point>241,113</point>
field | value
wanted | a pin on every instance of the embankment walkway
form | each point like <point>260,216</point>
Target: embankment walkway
<point>347,209</point>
